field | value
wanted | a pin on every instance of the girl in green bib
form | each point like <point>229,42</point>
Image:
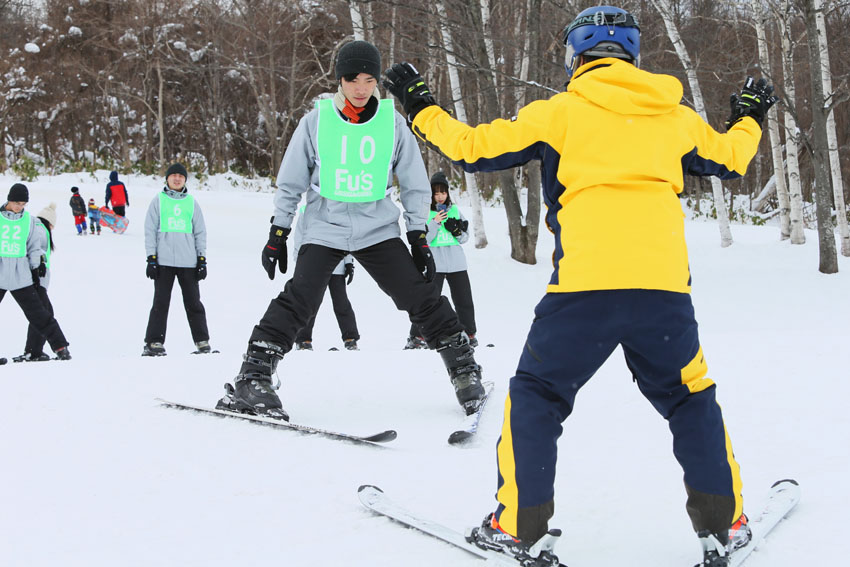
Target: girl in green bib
<point>447,230</point>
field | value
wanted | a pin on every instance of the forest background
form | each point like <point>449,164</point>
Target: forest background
<point>220,85</point>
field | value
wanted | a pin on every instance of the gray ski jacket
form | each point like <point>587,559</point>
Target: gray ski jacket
<point>448,259</point>
<point>175,249</point>
<point>350,226</point>
<point>16,273</point>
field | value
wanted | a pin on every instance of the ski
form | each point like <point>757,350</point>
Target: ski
<point>781,499</point>
<point>373,440</point>
<point>375,500</point>
<point>208,352</point>
<point>470,423</point>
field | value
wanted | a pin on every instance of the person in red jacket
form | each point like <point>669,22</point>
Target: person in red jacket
<point>116,192</point>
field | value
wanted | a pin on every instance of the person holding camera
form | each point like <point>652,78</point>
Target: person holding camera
<point>447,230</point>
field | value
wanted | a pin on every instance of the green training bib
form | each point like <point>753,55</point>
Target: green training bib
<point>444,237</point>
<point>13,236</point>
<point>175,215</point>
<point>355,159</point>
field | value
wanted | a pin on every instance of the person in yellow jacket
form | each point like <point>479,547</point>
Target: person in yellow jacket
<point>614,149</point>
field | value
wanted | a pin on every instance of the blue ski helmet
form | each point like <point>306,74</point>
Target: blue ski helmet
<point>602,31</point>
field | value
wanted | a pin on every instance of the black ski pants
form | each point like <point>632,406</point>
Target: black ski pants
<point>35,340</point>
<point>195,311</point>
<point>390,265</point>
<point>342,309</point>
<point>38,316</point>
<point>461,292</point>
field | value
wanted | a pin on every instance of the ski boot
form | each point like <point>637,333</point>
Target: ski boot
<point>490,536</point>
<point>714,551</point>
<point>304,345</point>
<point>153,349</point>
<point>740,534</point>
<point>63,353</point>
<point>464,373</point>
<point>252,391</point>
<point>30,357</point>
<point>414,343</point>
<point>473,342</point>
<point>350,344</point>
<point>203,347</point>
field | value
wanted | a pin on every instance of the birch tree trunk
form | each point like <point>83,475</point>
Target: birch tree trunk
<point>831,137</point>
<point>773,128</point>
<point>792,133</point>
<point>663,6</point>
<point>357,20</point>
<point>480,236</point>
<point>160,115</point>
<point>819,148</point>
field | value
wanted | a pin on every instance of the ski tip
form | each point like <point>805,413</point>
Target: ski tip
<point>459,437</point>
<point>783,481</point>
<point>382,437</point>
<point>367,487</point>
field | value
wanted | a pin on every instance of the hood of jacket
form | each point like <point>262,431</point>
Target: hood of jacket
<point>621,87</point>
<point>113,176</point>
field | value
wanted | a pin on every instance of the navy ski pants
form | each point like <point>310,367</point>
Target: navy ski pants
<point>571,337</point>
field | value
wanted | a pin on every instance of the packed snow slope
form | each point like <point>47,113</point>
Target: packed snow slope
<point>95,473</point>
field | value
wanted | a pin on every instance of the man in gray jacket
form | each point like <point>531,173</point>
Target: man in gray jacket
<point>343,156</point>
<point>22,263</point>
<point>176,243</point>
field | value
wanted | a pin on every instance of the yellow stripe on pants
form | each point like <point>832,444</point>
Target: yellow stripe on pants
<point>508,493</point>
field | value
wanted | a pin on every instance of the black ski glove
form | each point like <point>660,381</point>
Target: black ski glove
<point>405,83</point>
<point>201,268</point>
<point>421,253</point>
<point>456,227</point>
<point>349,273</point>
<point>275,251</point>
<point>755,100</point>
<point>42,267</point>
<point>152,271</point>
<point>35,281</point>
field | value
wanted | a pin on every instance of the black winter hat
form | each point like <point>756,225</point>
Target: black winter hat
<point>75,189</point>
<point>439,177</point>
<point>358,57</point>
<point>19,192</point>
<point>176,168</point>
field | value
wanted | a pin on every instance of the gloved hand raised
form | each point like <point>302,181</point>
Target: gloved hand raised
<point>274,253</point>
<point>405,83</point>
<point>421,253</point>
<point>349,273</point>
<point>755,101</point>
<point>201,268</point>
<point>152,271</point>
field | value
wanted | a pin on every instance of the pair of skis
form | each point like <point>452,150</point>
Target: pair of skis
<point>781,499</point>
<point>458,437</point>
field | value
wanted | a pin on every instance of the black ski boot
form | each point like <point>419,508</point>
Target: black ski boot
<point>253,391</point>
<point>350,344</point>
<point>153,349</point>
<point>415,343</point>
<point>30,357</point>
<point>490,536</point>
<point>63,354</point>
<point>464,373</point>
<point>714,552</point>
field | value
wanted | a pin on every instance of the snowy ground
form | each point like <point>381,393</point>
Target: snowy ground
<point>95,473</point>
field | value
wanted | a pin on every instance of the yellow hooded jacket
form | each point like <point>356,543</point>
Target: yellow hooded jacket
<point>614,150</point>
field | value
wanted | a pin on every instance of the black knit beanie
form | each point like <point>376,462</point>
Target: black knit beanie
<point>439,178</point>
<point>176,168</point>
<point>75,189</point>
<point>19,192</point>
<point>358,57</point>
